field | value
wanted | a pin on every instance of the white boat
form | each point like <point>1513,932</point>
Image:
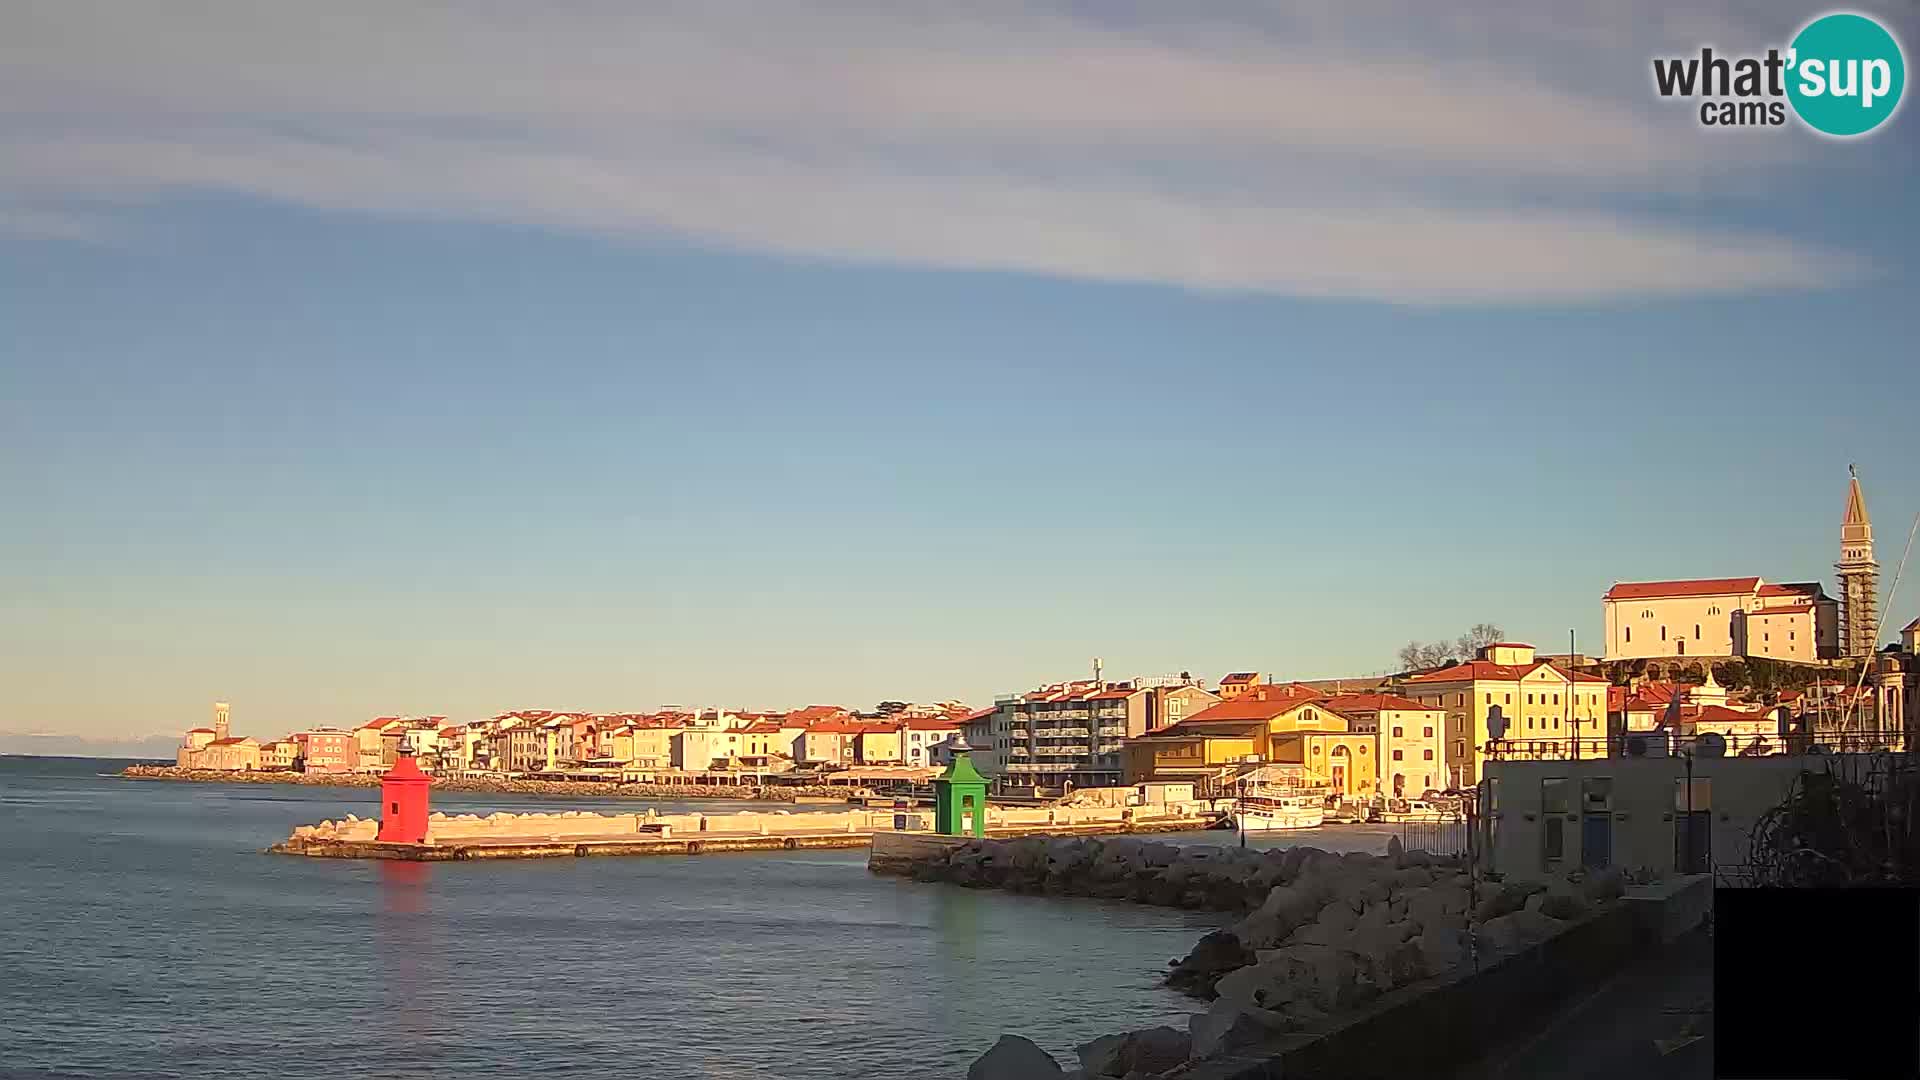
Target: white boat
<point>1404,810</point>
<point>1278,813</point>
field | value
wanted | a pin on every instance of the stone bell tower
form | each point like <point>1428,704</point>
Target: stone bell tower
<point>1859,574</point>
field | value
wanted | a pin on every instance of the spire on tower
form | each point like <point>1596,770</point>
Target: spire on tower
<point>1856,525</point>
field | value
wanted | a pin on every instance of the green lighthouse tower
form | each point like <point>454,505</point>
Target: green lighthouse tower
<point>960,796</point>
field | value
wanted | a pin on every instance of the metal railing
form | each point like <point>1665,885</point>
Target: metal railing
<point>1672,744</point>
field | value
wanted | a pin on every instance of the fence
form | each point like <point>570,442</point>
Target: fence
<point>1437,837</point>
<point>1669,743</point>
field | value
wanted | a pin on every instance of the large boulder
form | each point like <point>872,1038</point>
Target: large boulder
<point>1517,930</point>
<point>1228,1025</point>
<point>1213,956</point>
<point>1151,1051</point>
<point>1014,1058</point>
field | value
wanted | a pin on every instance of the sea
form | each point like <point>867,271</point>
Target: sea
<point>145,932</point>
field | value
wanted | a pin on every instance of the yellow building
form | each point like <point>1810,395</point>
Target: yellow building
<point>279,755</point>
<point>1262,725</point>
<point>1564,711</point>
<point>877,744</point>
<point>1410,751</point>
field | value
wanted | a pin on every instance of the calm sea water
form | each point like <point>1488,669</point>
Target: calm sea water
<point>144,934</point>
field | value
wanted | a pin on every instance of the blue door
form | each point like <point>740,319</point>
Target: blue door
<point>1596,841</point>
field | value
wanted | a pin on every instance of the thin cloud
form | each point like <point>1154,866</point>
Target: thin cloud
<point>1234,149</point>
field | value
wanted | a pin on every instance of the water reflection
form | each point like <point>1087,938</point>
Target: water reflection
<point>409,956</point>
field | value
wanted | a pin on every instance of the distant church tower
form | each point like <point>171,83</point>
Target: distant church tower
<point>1859,575</point>
<point>220,728</point>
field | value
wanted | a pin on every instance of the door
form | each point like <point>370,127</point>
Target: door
<point>1596,841</point>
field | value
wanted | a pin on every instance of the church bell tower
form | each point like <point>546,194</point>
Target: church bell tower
<point>1859,575</point>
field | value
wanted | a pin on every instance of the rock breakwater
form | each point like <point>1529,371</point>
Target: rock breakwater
<point>1319,934</point>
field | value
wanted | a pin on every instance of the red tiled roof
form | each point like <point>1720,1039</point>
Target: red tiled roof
<point>815,713</point>
<point>1488,671</point>
<point>1790,609</point>
<point>1239,677</point>
<point>930,723</point>
<point>228,742</point>
<point>978,714</point>
<point>1114,694</point>
<point>764,727</point>
<point>838,727</point>
<point>1375,703</point>
<point>1260,703</point>
<point>1786,590</point>
<point>1721,713</point>
<point>199,731</point>
<point>1649,590</point>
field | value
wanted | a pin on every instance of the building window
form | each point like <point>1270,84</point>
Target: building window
<point>1529,723</point>
<point>1663,633</point>
<point>1428,754</point>
<point>1396,731</point>
<point>1713,611</point>
<point>1398,755</point>
<point>1508,699</point>
<point>1489,699</point>
<point>1629,633</point>
<point>1529,699</point>
<point>1696,631</point>
<point>1647,613</point>
<point>1429,731</point>
<point>1556,699</point>
<point>1789,635</point>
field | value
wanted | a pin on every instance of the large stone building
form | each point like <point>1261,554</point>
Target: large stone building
<point>216,748</point>
<point>1859,575</point>
<point>1742,616</point>
<point>1540,701</point>
<point>1410,757</point>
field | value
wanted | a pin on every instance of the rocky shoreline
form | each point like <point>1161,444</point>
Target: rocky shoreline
<point>1319,935</point>
<point>491,786</point>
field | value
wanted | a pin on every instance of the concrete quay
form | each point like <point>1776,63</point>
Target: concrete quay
<point>585,834</point>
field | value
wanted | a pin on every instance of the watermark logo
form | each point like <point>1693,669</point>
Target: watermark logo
<point>1842,75</point>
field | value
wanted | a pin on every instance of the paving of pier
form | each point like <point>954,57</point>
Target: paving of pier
<point>1653,1020</point>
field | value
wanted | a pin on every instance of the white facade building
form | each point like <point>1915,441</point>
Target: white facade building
<point>1714,617</point>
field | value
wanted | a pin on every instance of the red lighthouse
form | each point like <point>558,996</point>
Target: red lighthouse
<point>403,802</point>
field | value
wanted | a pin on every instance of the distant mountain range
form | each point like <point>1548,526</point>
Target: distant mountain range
<point>157,747</point>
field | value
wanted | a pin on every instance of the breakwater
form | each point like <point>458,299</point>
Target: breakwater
<point>1322,943</point>
<point>488,785</point>
<point>506,835</point>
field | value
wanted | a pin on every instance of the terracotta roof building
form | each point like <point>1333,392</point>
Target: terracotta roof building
<point>1538,700</point>
<point>1741,616</point>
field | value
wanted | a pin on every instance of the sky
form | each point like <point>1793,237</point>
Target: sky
<point>422,358</point>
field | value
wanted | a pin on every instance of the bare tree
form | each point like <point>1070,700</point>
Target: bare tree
<point>1477,637</point>
<point>1419,655</point>
<point>1410,656</point>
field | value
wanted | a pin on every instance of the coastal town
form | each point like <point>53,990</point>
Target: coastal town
<point>1734,666</point>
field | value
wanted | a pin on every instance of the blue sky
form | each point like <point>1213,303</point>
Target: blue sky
<point>433,363</point>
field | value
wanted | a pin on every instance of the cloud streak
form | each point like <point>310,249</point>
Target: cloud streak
<point>1232,150</point>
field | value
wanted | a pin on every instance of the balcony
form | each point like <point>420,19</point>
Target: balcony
<point>1062,732</point>
<point>1116,730</point>
<point>1019,751</point>
<point>1060,751</point>
<point>1111,747</point>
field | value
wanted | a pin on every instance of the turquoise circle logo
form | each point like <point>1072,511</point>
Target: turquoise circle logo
<point>1847,74</point>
